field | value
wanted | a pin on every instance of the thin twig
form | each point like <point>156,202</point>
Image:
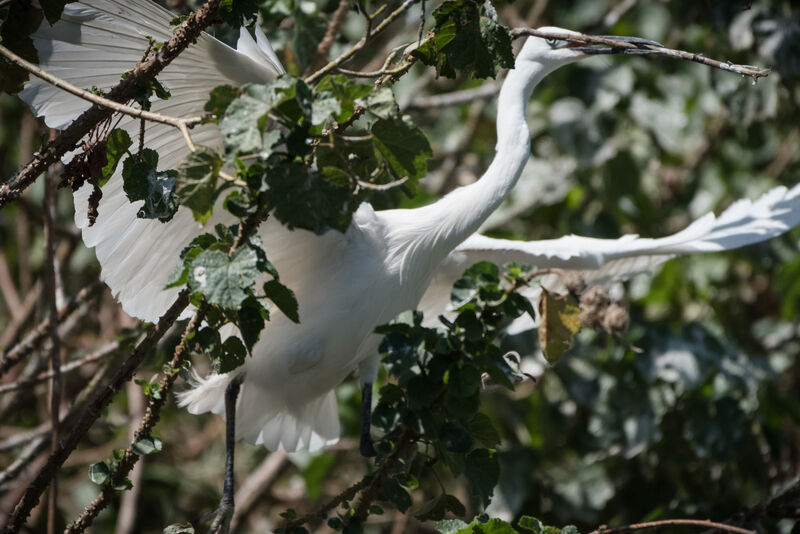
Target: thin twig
<point>146,69</point>
<point>391,17</point>
<point>322,512</point>
<point>66,368</point>
<point>11,357</point>
<point>334,28</point>
<point>52,328</point>
<point>671,523</point>
<point>382,187</point>
<point>258,483</point>
<point>126,517</point>
<point>97,99</point>
<point>99,400</point>
<point>646,49</point>
<point>151,417</point>
<point>485,90</point>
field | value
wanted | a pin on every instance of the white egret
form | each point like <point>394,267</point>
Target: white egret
<point>346,284</point>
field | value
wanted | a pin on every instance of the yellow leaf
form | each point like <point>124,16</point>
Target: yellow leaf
<point>561,320</point>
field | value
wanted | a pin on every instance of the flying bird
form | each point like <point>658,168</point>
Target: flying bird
<point>346,283</point>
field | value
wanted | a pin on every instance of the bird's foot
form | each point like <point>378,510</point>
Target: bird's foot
<point>221,515</point>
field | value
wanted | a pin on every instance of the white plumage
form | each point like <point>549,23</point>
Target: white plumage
<point>346,284</point>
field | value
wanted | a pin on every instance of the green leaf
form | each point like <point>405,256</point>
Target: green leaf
<point>221,279</point>
<point>455,437</point>
<point>451,526</point>
<point>53,9</point>
<point>482,429</point>
<point>251,321</point>
<point>404,147</point>
<point>141,181</point>
<point>482,471</point>
<point>531,523</point>
<point>435,509</point>
<point>493,526</point>
<point>146,446</point>
<point>219,99</point>
<point>99,473</point>
<point>468,40</point>
<point>324,106</point>
<point>394,493</point>
<point>382,103</point>
<point>561,320</point>
<point>22,19</point>
<point>463,381</point>
<point>117,144</point>
<point>284,299</point>
<point>196,182</point>
<point>232,356</point>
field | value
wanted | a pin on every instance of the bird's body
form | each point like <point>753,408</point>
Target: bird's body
<point>345,283</point>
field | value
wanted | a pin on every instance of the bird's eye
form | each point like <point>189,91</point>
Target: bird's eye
<point>552,42</point>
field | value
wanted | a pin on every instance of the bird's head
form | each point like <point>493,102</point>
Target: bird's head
<point>556,52</point>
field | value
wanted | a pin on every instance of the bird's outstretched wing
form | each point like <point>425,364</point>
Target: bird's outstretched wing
<point>91,46</point>
<point>603,261</point>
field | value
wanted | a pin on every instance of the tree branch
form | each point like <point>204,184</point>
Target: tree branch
<point>99,400</point>
<point>391,17</point>
<point>334,28</point>
<point>146,69</point>
<point>26,346</point>
<point>671,523</point>
<point>645,49</point>
<point>151,417</point>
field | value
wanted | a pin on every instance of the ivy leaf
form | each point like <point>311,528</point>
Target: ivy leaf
<point>141,181</point>
<point>284,299</point>
<point>466,39</point>
<point>146,446</point>
<point>382,103</point>
<point>197,182</point>
<point>99,473</point>
<point>20,22</point>
<point>221,279</point>
<point>219,99</point>
<point>394,493</point>
<point>455,437</point>
<point>117,144</point>
<point>560,322</point>
<point>435,509</point>
<point>251,321</point>
<point>404,147</point>
<point>482,471</point>
<point>232,356</point>
<point>482,429</point>
<point>53,9</point>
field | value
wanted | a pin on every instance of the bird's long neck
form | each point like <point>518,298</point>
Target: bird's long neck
<point>438,228</point>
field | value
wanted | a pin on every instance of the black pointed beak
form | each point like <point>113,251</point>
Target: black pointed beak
<point>642,46</point>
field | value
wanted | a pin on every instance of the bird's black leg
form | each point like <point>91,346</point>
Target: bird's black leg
<point>366,446</point>
<point>224,513</point>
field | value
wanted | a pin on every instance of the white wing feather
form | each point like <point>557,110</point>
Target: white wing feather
<point>604,261</point>
<point>93,43</point>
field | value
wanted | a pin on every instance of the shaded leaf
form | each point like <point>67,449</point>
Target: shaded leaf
<point>560,322</point>
<point>196,182</point>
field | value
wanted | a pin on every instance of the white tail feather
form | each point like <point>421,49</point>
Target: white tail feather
<point>263,418</point>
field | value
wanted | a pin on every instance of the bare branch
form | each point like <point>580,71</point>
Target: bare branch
<point>334,28</point>
<point>151,416</point>
<point>645,49</point>
<point>146,69</point>
<point>26,346</point>
<point>486,90</point>
<point>98,400</point>
<point>52,328</point>
<point>671,523</point>
<point>66,368</point>
<point>391,17</point>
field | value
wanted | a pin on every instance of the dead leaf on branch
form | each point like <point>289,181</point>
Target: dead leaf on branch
<point>561,320</point>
